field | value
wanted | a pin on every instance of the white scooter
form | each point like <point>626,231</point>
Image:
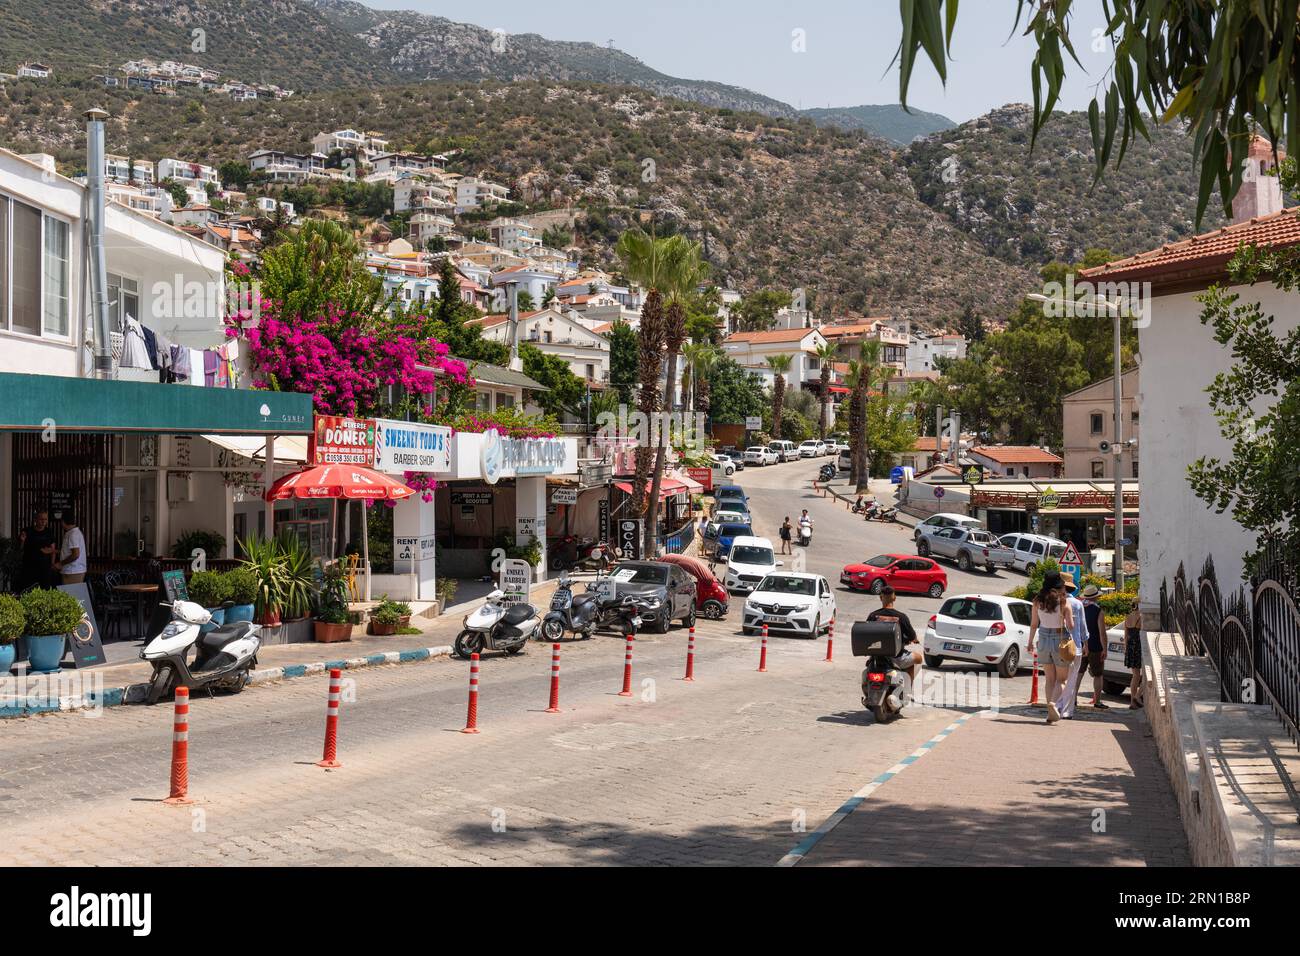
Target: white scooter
<point>805,533</point>
<point>223,660</point>
<point>497,626</point>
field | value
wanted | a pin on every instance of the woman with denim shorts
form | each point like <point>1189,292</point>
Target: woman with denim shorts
<point>1051,620</point>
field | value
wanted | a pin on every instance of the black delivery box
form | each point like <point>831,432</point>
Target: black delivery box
<point>877,639</point>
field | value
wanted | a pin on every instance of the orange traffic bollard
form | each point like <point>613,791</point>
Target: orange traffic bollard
<point>690,655</point>
<point>471,719</point>
<point>329,760</point>
<point>180,776</point>
<point>554,707</point>
<point>762,654</point>
<point>627,668</point>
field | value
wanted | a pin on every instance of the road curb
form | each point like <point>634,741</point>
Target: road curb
<point>33,704</point>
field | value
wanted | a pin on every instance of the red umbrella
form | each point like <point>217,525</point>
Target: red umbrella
<point>339,481</point>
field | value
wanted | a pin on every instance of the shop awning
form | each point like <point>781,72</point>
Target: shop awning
<point>253,447</point>
<point>689,483</point>
<point>670,487</point>
<point>33,402</point>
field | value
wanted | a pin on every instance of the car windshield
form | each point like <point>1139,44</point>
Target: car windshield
<point>982,537</point>
<point>788,584</point>
<point>757,450</point>
<point>641,574</point>
<point>751,554</point>
<point>971,609</point>
<point>880,561</point>
<point>1058,550</point>
<point>736,530</point>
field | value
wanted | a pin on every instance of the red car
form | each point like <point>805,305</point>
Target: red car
<point>711,598</point>
<point>902,572</point>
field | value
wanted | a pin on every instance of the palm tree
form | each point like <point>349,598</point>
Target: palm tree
<point>826,354</point>
<point>700,357</point>
<point>864,372</point>
<point>779,364</point>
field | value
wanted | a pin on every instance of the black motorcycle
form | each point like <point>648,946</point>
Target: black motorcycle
<point>884,684</point>
<point>578,615</point>
<point>631,611</point>
<point>826,473</point>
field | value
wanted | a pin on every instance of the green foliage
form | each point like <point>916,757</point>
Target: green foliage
<point>242,583</point>
<point>331,602</point>
<point>208,588</point>
<point>12,619</point>
<point>735,394</point>
<point>757,312</point>
<point>317,265</point>
<point>180,196</point>
<point>209,542</point>
<point>566,392</point>
<point>285,574</point>
<point>446,589</point>
<point>623,359</point>
<point>49,612</point>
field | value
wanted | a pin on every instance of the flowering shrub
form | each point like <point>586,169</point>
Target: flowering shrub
<point>341,362</point>
<point>420,482</point>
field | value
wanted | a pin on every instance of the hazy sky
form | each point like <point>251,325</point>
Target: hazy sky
<point>849,45</point>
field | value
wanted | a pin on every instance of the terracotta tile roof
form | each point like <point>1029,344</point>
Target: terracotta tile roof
<point>855,328</point>
<point>487,321</point>
<point>1202,258</point>
<point>1017,454</point>
<point>776,335</point>
<point>929,443</point>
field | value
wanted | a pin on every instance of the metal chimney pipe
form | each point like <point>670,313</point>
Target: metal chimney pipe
<point>956,437</point>
<point>103,365</point>
<point>512,290</point>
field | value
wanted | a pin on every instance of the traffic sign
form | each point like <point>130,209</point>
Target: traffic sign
<point>1071,563</point>
<point>939,492</point>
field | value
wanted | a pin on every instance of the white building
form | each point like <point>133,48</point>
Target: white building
<point>752,349</point>
<point>281,167</point>
<point>1180,358</point>
<point>36,71</point>
<point>187,174</point>
<point>386,164</point>
<point>367,145</point>
<point>555,333</point>
<point>412,193</point>
<point>474,193</point>
<point>124,169</point>
<point>514,235</point>
<point>535,282</point>
<point>923,351</point>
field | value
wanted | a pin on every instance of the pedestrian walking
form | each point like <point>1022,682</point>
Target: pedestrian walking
<point>1079,631</point>
<point>1050,620</point>
<point>786,536</point>
<point>1095,651</point>
<point>72,553</point>
<point>1133,658</point>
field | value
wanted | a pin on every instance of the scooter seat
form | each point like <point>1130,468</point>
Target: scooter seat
<point>517,614</point>
<point>214,641</point>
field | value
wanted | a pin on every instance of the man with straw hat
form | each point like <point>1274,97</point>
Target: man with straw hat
<point>1096,646</point>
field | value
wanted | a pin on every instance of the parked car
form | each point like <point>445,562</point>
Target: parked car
<point>1115,677</point>
<point>737,457</point>
<point>711,599</point>
<point>760,455</point>
<point>749,561</point>
<point>968,547</point>
<point>722,465</point>
<point>988,629</point>
<point>670,584</point>
<point>727,533</point>
<point>1028,549</point>
<point>790,601</point>
<point>844,461</point>
<point>731,496</point>
<point>943,519</point>
<point>902,572</point>
<point>785,450</point>
<point>729,514</point>
<point>812,449</point>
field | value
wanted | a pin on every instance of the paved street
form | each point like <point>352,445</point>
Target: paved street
<point>733,768</point>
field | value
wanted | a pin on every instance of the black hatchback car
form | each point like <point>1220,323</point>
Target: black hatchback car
<point>674,588</point>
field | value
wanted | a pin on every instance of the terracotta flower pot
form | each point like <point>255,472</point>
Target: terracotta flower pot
<point>332,633</point>
<point>383,630</point>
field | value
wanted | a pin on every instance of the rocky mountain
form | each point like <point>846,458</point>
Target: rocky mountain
<point>890,122</point>
<point>1028,207</point>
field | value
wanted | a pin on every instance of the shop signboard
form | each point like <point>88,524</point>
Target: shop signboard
<point>87,650</point>
<point>753,423</point>
<point>602,519</point>
<point>629,537</point>
<point>414,548</point>
<point>564,496</point>
<point>515,577</point>
<point>174,586</point>
<point>471,498</point>
<point>343,441</point>
<point>502,456</point>
<point>972,474</point>
<point>412,446</point>
<point>527,527</point>
<point>1049,500</point>
<point>703,475</point>
<point>61,501</point>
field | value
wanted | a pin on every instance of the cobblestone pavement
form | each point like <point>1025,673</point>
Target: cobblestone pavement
<point>728,769</point>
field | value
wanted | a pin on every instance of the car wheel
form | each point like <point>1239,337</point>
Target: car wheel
<point>877,586</point>
<point>1009,666</point>
<point>714,611</point>
<point>1114,688</point>
<point>963,561</point>
<point>747,631</point>
<point>990,569</point>
<point>1030,567</point>
<point>662,625</point>
<point>689,620</point>
<point>933,660</point>
<point>923,548</point>
<point>936,590</point>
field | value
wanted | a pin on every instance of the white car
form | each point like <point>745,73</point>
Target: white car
<point>943,520</point>
<point>790,601</point>
<point>785,450</point>
<point>1115,677</point>
<point>832,447</point>
<point>844,461</point>
<point>812,449</point>
<point>723,464</point>
<point>987,629</point>
<point>760,455</point>
<point>749,561</point>
<point>1030,548</point>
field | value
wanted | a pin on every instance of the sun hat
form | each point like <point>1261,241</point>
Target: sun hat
<point>1091,591</point>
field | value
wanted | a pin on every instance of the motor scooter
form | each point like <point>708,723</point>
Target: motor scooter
<point>884,684</point>
<point>827,473</point>
<point>579,615</point>
<point>224,658</point>
<point>497,626</point>
<point>879,513</point>
<point>805,533</point>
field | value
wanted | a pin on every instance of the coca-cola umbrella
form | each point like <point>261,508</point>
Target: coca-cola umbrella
<point>350,482</point>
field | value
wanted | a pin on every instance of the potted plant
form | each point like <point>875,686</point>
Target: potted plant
<point>242,587</point>
<point>299,579</point>
<point>51,615</point>
<point>385,619</point>
<point>210,589</point>
<point>265,562</point>
<point>446,591</point>
<point>332,622</point>
<point>12,620</point>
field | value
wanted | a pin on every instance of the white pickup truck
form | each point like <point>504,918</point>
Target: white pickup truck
<point>968,547</point>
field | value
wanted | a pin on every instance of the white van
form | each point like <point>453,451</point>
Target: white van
<point>785,450</point>
<point>750,560</point>
<point>1029,549</point>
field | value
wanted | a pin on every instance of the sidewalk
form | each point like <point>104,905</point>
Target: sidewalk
<point>126,683</point>
<point>1006,789</point>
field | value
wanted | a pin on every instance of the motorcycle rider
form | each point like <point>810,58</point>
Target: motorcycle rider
<point>910,659</point>
<point>805,522</point>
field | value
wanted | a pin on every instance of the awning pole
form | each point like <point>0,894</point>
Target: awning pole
<point>365,546</point>
<point>269,479</point>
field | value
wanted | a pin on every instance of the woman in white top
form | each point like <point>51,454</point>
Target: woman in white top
<point>1051,619</point>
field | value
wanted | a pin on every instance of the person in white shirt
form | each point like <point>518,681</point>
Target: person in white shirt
<point>72,553</point>
<point>1079,631</point>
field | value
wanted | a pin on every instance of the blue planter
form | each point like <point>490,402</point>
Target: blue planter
<point>240,612</point>
<point>44,652</point>
<point>7,654</point>
<point>218,618</point>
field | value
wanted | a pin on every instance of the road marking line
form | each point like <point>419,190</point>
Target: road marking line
<point>796,856</point>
